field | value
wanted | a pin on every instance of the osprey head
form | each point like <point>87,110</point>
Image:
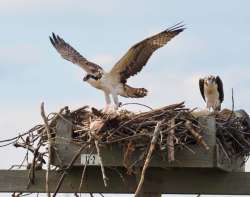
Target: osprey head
<point>210,80</point>
<point>96,76</point>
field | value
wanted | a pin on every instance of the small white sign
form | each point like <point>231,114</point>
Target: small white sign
<point>90,159</point>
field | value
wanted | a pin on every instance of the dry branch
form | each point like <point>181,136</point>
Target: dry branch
<point>47,128</point>
<point>196,135</point>
<point>170,141</point>
<point>146,163</point>
<point>83,171</point>
<point>104,177</point>
<point>94,128</point>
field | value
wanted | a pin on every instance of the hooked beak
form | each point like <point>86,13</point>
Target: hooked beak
<point>86,78</point>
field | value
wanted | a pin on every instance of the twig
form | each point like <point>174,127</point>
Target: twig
<point>104,177</point>
<point>10,143</point>
<point>23,134</point>
<point>32,167</point>
<point>146,163</point>
<point>196,135</point>
<point>125,138</point>
<point>49,146</point>
<point>223,150</point>
<point>137,104</point>
<point>172,127</point>
<point>95,127</point>
<point>189,149</point>
<point>24,159</point>
<point>150,113</point>
<point>127,155</point>
<point>232,111</point>
<point>30,148</point>
<point>83,171</point>
<point>170,142</point>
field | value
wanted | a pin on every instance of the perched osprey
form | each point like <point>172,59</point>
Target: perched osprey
<point>211,89</point>
<point>114,82</point>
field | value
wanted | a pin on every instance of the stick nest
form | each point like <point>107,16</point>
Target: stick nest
<point>179,129</point>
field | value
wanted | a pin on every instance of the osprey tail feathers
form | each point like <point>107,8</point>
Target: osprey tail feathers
<point>133,92</point>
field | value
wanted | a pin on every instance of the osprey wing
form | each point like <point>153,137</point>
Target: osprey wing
<point>220,88</point>
<point>201,85</point>
<point>72,55</point>
<point>138,55</point>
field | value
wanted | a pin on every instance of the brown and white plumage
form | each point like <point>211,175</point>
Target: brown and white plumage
<point>72,55</point>
<point>114,82</point>
<point>211,89</point>
<point>138,55</point>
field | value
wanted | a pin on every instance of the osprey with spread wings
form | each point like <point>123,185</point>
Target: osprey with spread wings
<point>114,83</point>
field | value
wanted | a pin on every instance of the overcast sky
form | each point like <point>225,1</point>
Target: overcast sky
<point>216,41</point>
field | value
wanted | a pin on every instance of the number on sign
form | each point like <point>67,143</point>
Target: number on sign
<point>87,159</point>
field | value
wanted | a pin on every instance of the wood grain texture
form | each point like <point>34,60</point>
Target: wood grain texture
<point>157,180</point>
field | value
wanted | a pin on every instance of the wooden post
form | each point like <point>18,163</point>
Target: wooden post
<point>178,181</point>
<point>147,194</point>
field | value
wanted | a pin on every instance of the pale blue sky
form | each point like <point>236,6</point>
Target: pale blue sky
<point>216,41</point>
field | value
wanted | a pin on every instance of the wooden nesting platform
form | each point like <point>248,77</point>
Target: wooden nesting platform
<point>113,155</point>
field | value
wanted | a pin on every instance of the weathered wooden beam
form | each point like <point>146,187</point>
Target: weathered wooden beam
<point>157,180</point>
<point>149,194</point>
<point>152,195</point>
